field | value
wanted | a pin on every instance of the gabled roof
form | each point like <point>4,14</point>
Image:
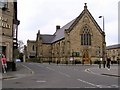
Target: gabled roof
<point>91,17</point>
<point>59,34</point>
<point>47,39</point>
<point>113,46</point>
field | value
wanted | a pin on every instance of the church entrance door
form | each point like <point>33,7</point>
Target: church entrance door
<point>86,58</point>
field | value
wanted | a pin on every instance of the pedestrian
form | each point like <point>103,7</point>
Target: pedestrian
<point>99,62</point>
<point>104,63</point>
<point>108,63</point>
<point>4,65</point>
<point>49,61</point>
<point>57,62</point>
<point>83,62</point>
<point>66,62</point>
<point>118,61</point>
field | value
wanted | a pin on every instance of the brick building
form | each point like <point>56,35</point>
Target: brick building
<point>8,28</point>
<point>81,39</point>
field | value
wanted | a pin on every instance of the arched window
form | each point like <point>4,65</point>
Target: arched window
<point>85,36</point>
<point>33,48</point>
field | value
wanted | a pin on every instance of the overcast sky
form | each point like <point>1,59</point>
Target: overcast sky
<point>44,15</point>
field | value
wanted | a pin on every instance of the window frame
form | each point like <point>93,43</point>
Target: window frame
<point>85,36</point>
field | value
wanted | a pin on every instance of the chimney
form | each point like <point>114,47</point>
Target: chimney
<point>57,27</point>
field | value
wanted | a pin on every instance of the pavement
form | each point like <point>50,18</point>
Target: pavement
<point>20,72</point>
<point>113,71</point>
<point>23,71</point>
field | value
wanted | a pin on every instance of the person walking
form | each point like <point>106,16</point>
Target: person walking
<point>4,65</point>
<point>57,62</point>
<point>108,63</point>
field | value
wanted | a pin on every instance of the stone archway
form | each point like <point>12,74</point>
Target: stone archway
<point>86,58</point>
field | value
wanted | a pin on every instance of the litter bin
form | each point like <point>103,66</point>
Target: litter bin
<point>13,66</point>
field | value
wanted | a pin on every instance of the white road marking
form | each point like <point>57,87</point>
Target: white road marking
<point>58,72</point>
<point>50,68</point>
<point>32,72</point>
<point>65,74</point>
<point>89,83</point>
<point>41,81</point>
<point>115,86</point>
<point>90,87</point>
<point>89,71</point>
<point>99,86</point>
<point>103,86</point>
<point>18,76</point>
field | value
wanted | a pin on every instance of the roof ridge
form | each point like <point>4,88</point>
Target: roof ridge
<point>113,46</point>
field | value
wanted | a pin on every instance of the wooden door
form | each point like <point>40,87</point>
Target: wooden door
<point>86,58</point>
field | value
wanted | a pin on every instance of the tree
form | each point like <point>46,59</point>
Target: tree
<point>20,46</point>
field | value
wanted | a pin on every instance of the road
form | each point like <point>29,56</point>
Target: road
<point>60,76</point>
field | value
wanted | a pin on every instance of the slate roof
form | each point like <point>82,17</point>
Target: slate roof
<point>47,38</point>
<point>113,46</point>
<point>59,34</point>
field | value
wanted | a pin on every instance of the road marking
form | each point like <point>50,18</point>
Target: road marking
<point>41,81</point>
<point>89,71</point>
<point>115,86</point>
<point>89,83</point>
<point>103,86</point>
<point>99,86</point>
<point>32,72</point>
<point>65,74</point>
<point>90,87</point>
<point>50,68</point>
<point>59,72</point>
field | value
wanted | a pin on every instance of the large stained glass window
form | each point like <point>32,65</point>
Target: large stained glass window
<point>85,36</point>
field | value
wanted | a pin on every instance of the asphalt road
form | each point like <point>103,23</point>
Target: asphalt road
<point>60,76</point>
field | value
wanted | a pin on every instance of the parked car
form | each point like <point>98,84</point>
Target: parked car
<point>18,60</point>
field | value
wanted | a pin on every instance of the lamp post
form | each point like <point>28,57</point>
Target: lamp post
<point>103,22</point>
<point>103,42</point>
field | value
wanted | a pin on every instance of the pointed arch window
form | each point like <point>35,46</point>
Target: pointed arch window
<point>33,48</point>
<point>85,36</point>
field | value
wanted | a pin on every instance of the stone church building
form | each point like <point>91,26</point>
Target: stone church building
<point>81,39</point>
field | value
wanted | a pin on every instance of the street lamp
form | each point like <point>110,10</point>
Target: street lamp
<point>103,43</point>
<point>103,22</point>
